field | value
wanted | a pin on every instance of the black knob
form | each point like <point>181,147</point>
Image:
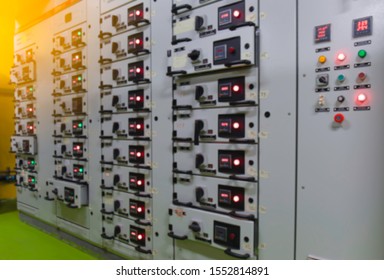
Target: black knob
<point>115,74</point>
<point>62,127</point>
<point>199,91</point>
<point>341,99</point>
<point>115,127</point>
<point>116,179</point>
<point>115,20</point>
<point>115,100</point>
<point>199,193</point>
<point>116,205</point>
<point>199,21</point>
<point>117,230</point>
<point>194,55</point>
<point>63,149</point>
<point>195,227</point>
<point>116,153</point>
<point>63,170</point>
<point>115,47</point>
<point>199,160</point>
<point>199,125</point>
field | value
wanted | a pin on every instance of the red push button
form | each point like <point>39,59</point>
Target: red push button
<point>339,118</point>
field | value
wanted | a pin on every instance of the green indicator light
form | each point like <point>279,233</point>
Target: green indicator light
<point>81,170</point>
<point>80,125</point>
<point>362,53</point>
<point>33,180</point>
<point>31,89</point>
<point>79,78</point>
<point>79,33</point>
<point>341,78</point>
<point>33,162</point>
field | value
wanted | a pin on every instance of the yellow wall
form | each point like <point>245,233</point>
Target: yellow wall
<point>6,130</point>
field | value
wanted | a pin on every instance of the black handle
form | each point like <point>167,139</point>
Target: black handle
<point>234,214</point>
<point>142,223</point>
<point>141,250</point>
<point>143,51</point>
<point>175,9</point>
<point>106,188</point>
<point>199,125</point>
<point>229,252</point>
<point>182,107</point>
<point>187,172</point>
<point>179,139</point>
<point>138,194</point>
<point>144,20</point>
<point>32,190</point>
<point>109,112</point>
<point>105,87</point>
<point>178,237</point>
<point>103,211</point>
<point>213,102</point>
<point>242,141</point>
<point>185,204</point>
<point>208,137</point>
<point>238,62</point>
<point>104,236</point>
<point>176,41</point>
<point>210,171</point>
<point>144,110</point>
<point>243,178</point>
<point>203,239</point>
<point>47,198</point>
<point>103,61</point>
<point>141,138</point>
<point>104,35</point>
<point>141,81</point>
<point>243,103</point>
<point>247,23</point>
<point>106,137</point>
<point>174,73</point>
<point>142,166</point>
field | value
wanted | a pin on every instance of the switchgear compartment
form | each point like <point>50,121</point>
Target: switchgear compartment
<point>128,17</point>
<point>70,105</point>
<point>71,83</point>
<point>24,145</point>
<point>125,179</point>
<point>71,170</point>
<point>128,206</point>
<point>121,234</point>
<point>71,148</point>
<point>233,161</point>
<point>70,61</point>
<point>233,88</point>
<point>235,125</point>
<point>181,6</point>
<point>126,126</point>
<point>71,127</point>
<point>71,194</point>
<point>25,93</point>
<point>25,73</point>
<point>213,19</point>
<point>222,51</point>
<point>126,45</point>
<point>236,237</point>
<point>126,73</point>
<point>126,153</point>
<point>25,127</point>
<point>126,100</point>
<point>231,197</point>
<point>73,38</point>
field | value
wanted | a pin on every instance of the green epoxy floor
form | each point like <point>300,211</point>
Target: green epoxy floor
<point>19,241</point>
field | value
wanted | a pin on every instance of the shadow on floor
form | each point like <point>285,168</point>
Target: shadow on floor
<point>7,205</point>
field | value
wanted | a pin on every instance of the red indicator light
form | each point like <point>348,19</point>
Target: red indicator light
<point>138,98</point>
<point>131,15</point>
<point>132,180</point>
<point>224,124</point>
<point>75,126</point>
<point>75,170</point>
<point>224,160</point>
<point>138,41</point>
<point>133,206</point>
<point>362,25</point>
<point>138,154</point>
<point>236,162</point>
<point>138,13</point>
<point>30,109</point>
<point>224,195</point>
<point>236,125</point>
<point>232,236</point>
<point>31,127</point>
<point>236,198</point>
<point>140,237</point>
<point>138,126</point>
<point>232,50</point>
<point>139,183</point>
<point>131,42</point>
<point>236,88</point>
<point>236,13</point>
<point>341,56</point>
<point>132,153</point>
<point>224,88</point>
<point>140,209</point>
<point>224,15</point>
<point>138,70</point>
<point>361,98</point>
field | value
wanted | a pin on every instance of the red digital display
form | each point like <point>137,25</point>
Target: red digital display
<point>362,27</point>
<point>323,33</point>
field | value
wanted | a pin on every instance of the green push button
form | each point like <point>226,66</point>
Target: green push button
<point>362,53</point>
<point>341,78</point>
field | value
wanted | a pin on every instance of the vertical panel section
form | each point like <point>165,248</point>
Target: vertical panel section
<point>340,177</point>
<point>277,129</point>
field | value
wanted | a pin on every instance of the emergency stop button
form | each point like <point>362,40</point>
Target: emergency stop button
<point>339,118</point>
